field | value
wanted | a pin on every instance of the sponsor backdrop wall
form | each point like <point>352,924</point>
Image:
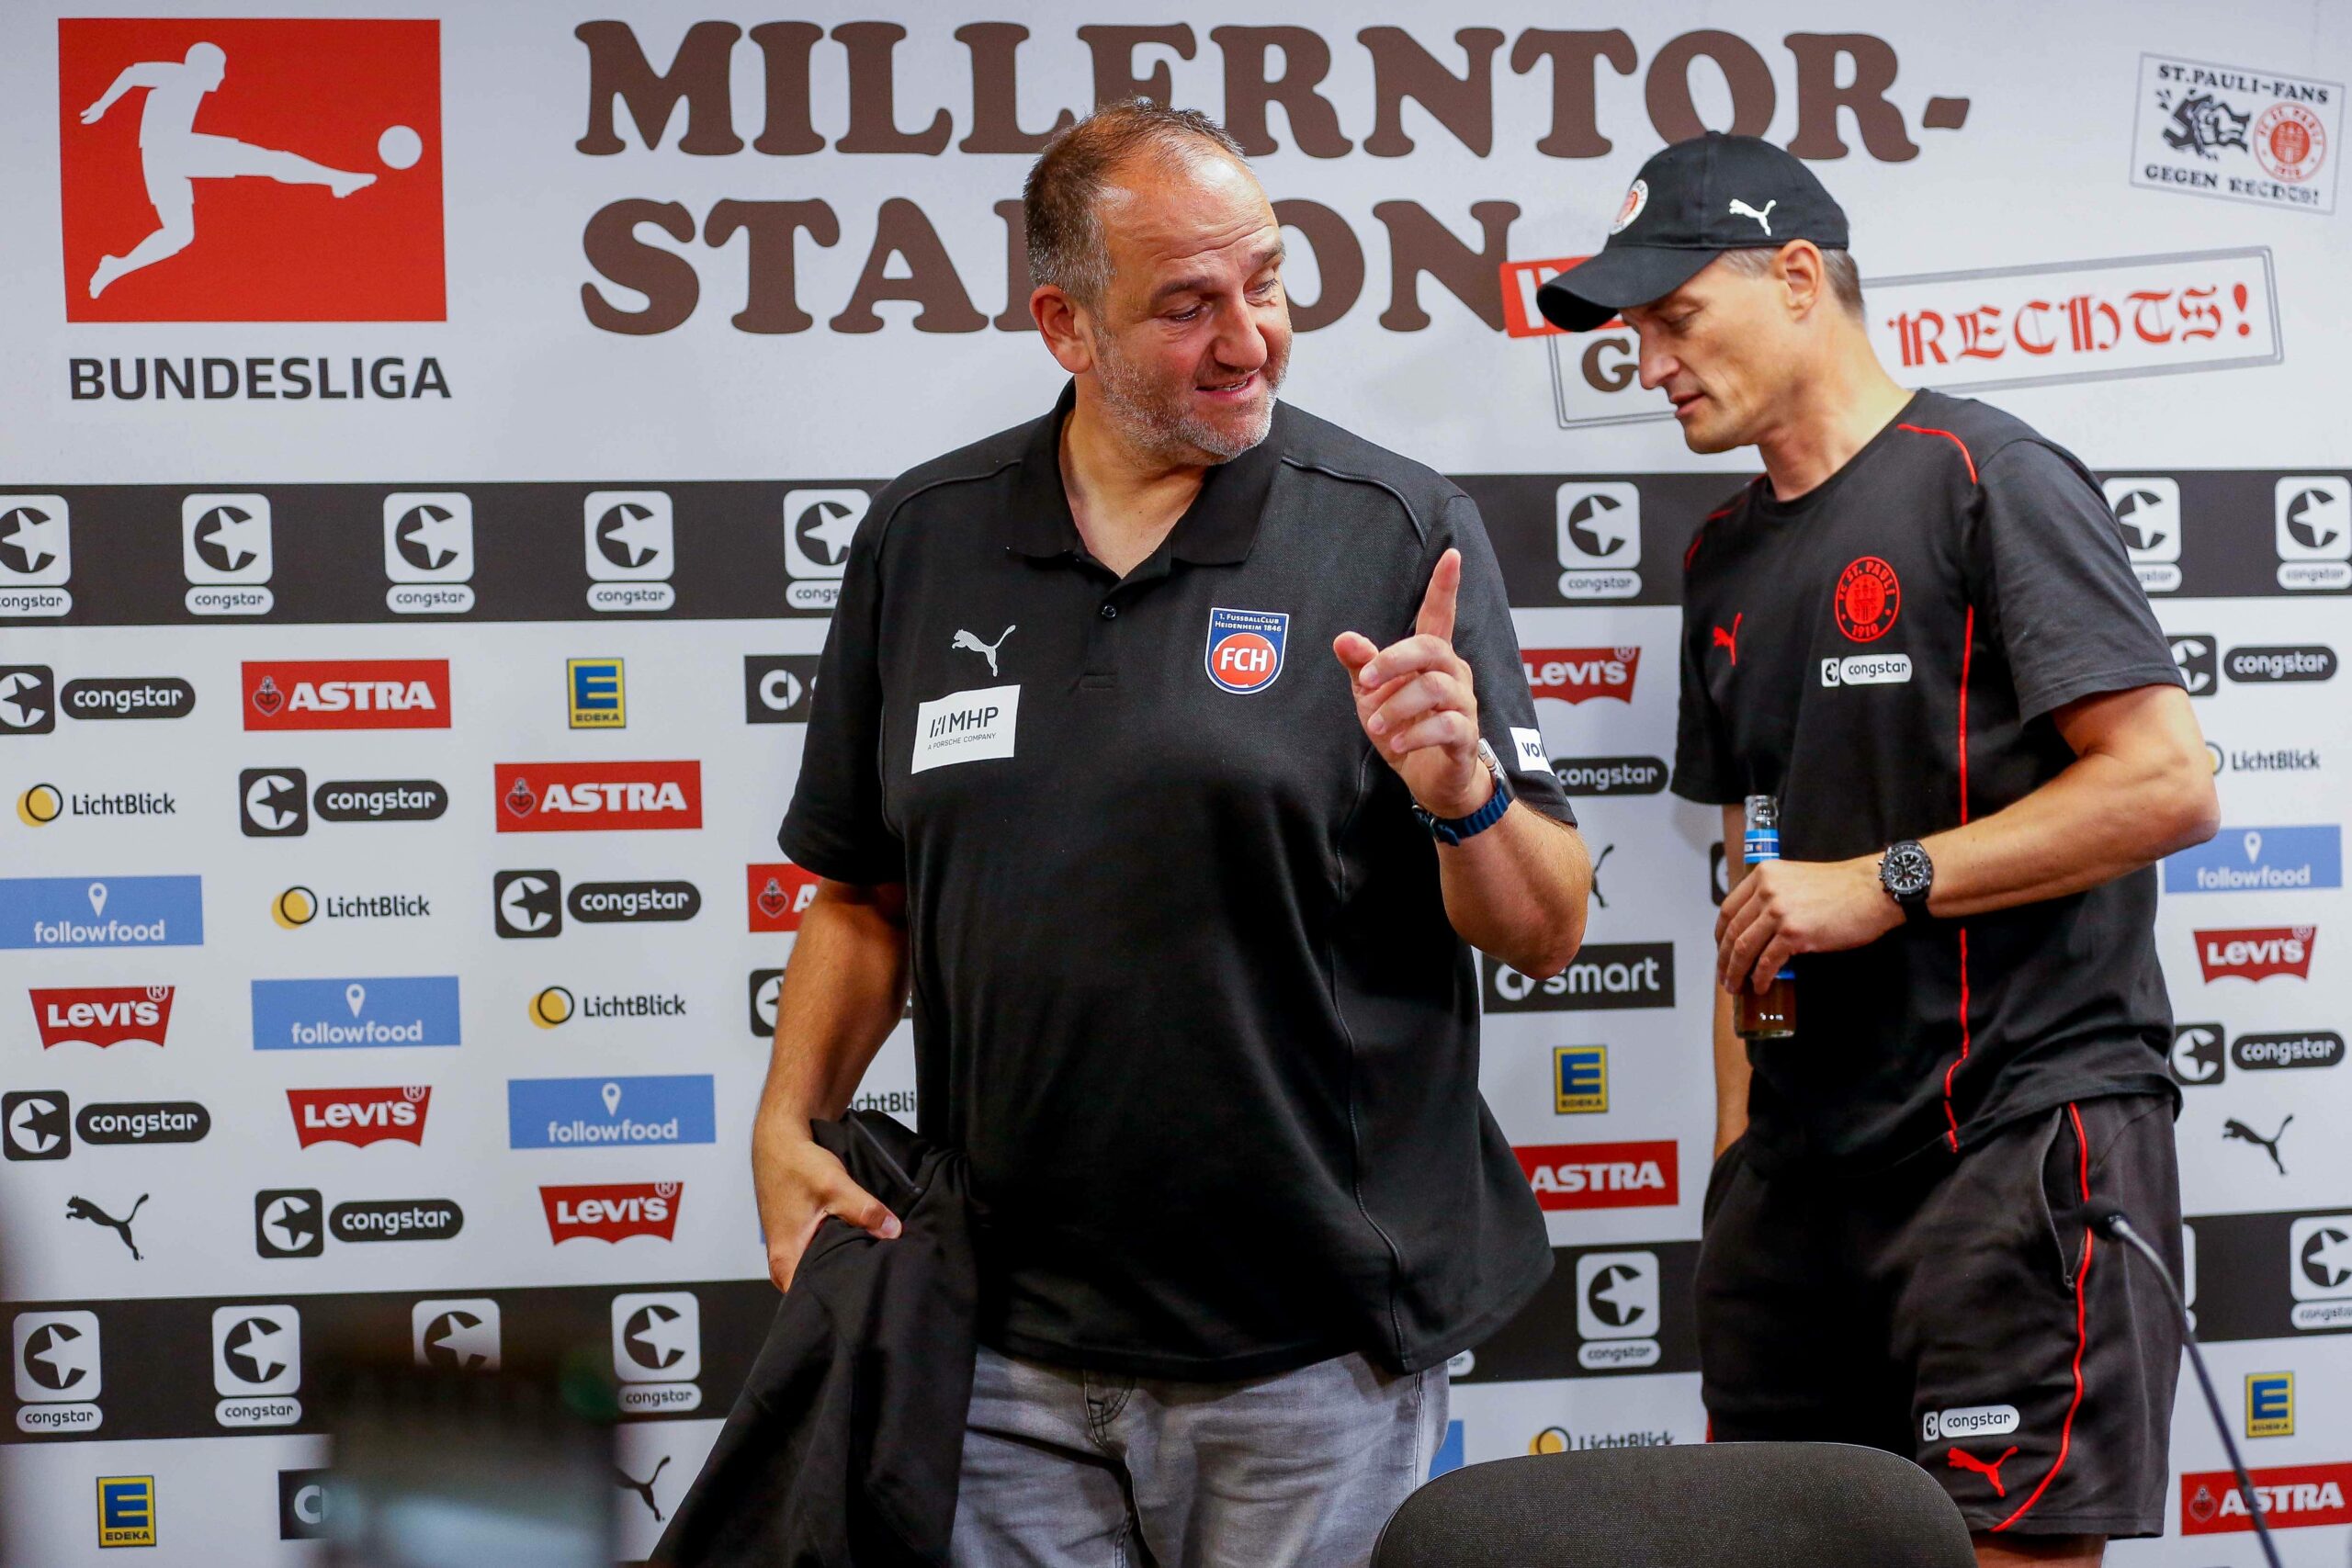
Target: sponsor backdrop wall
<point>430,444</point>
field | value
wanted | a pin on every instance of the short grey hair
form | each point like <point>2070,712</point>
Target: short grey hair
<point>1845,279</point>
<point>1060,202</point>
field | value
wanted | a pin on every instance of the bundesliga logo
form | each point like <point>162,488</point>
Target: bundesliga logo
<point>280,170</point>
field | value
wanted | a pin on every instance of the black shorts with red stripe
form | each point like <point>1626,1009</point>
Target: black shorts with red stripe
<point>1964,1316</point>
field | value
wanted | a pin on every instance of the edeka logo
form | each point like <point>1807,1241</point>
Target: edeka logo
<point>1580,1079</point>
<point>613,1210</point>
<point>304,1015</point>
<point>562,1114</point>
<point>115,911</point>
<point>1602,974</point>
<point>360,1116</point>
<point>1602,1176</point>
<point>2270,1405</point>
<point>224,170</point>
<point>1576,674</point>
<point>2250,859</point>
<point>571,797</point>
<point>346,693</point>
<point>127,1510</point>
<point>779,893</point>
<point>102,1015</point>
<point>2289,1497</point>
<point>596,693</point>
<point>2256,953</point>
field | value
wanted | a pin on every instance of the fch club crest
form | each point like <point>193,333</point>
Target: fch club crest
<point>1245,651</point>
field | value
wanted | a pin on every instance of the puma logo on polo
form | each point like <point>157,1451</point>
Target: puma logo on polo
<point>83,1209</point>
<point>970,643</point>
<point>1990,1471</point>
<point>1741,209</point>
<point>1729,640</point>
<point>644,1488</point>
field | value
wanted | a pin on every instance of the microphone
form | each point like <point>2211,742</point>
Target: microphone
<point>2100,1216</point>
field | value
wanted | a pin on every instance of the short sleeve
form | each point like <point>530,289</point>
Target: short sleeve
<point>834,826</point>
<point>1485,638</point>
<point>2048,562</point>
<point>1704,769</point>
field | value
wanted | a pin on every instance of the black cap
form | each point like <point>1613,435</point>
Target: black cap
<point>1689,204</point>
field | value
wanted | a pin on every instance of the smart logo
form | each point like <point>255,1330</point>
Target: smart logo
<point>115,911</point>
<point>2260,859</point>
<point>306,1015</point>
<point>562,1114</point>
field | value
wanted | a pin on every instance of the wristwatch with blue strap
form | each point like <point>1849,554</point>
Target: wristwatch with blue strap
<point>1453,830</point>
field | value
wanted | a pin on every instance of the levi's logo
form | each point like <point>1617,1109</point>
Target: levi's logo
<point>217,170</point>
<point>564,798</point>
<point>360,1116</point>
<point>1602,1176</point>
<point>102,1015</point>
<point>780,894</point>
<point>1574,675</point>
<point>2258,954</point>
<point>347,693</point>
<point>612,1211</point>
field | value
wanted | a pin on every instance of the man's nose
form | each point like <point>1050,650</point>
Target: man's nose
<point>1240,344</point>
<point>1657,364</point>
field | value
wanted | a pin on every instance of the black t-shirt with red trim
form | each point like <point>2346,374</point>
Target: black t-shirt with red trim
<point>1884,654</point>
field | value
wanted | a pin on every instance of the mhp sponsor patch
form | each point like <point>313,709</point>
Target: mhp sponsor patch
<point>1245,651</point>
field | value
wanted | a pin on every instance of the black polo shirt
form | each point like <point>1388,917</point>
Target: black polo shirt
<point>1184,987</point>
<point>1884,653</point>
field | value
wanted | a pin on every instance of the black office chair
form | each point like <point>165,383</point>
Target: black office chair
<point>1705,1505</point>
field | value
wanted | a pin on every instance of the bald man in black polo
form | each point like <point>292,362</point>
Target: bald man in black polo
<point>1174,748</point>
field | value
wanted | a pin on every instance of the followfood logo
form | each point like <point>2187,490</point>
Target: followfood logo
<point>346,693</point>
<point>115,911</point>
<point>559,1113</point>
<point>1602,1176</point>
<point>612,1211</point>
<point>2244,859</point>
<point>360,1116</point>
<point>1602,974</point>
<point>313,146</point>
<point>1578,674</point>
<point>567,797</point>
<point>102,1015</point>
<point>300,1015</point>
<point>2256,953</point>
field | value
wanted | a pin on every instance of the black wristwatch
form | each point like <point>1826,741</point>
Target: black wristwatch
<point>1908,875</point>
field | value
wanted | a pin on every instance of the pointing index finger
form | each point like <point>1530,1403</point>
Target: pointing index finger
<point>1436,618</point>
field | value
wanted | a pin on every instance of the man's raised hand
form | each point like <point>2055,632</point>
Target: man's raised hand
<point>1418,704</point>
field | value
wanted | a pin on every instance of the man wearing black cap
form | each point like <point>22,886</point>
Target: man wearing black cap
<point>1916,628</point>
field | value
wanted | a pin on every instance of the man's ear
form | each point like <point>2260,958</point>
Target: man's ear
<point>1061,322</point>
<point>1804,275</point>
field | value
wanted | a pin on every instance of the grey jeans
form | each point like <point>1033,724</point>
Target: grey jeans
<point>1065,1469</point>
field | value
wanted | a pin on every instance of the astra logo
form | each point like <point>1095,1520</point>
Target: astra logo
<point>778,687</point>
<point>612,1211</point>
<point>377,1012</point>
<point>1602,974</point>
<point>562,798</point>
<point>360,1116</point>
<point>1602,1176</point>
<point>2256,953</point>
<point>115,911</point>
<point>346,693</point>
<point>336,127</point>
<point>779,894</point>
<point>2289,1498</point>
<point>1577,674</point>
<point>548,1113</point>
<point>102,1015</point>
